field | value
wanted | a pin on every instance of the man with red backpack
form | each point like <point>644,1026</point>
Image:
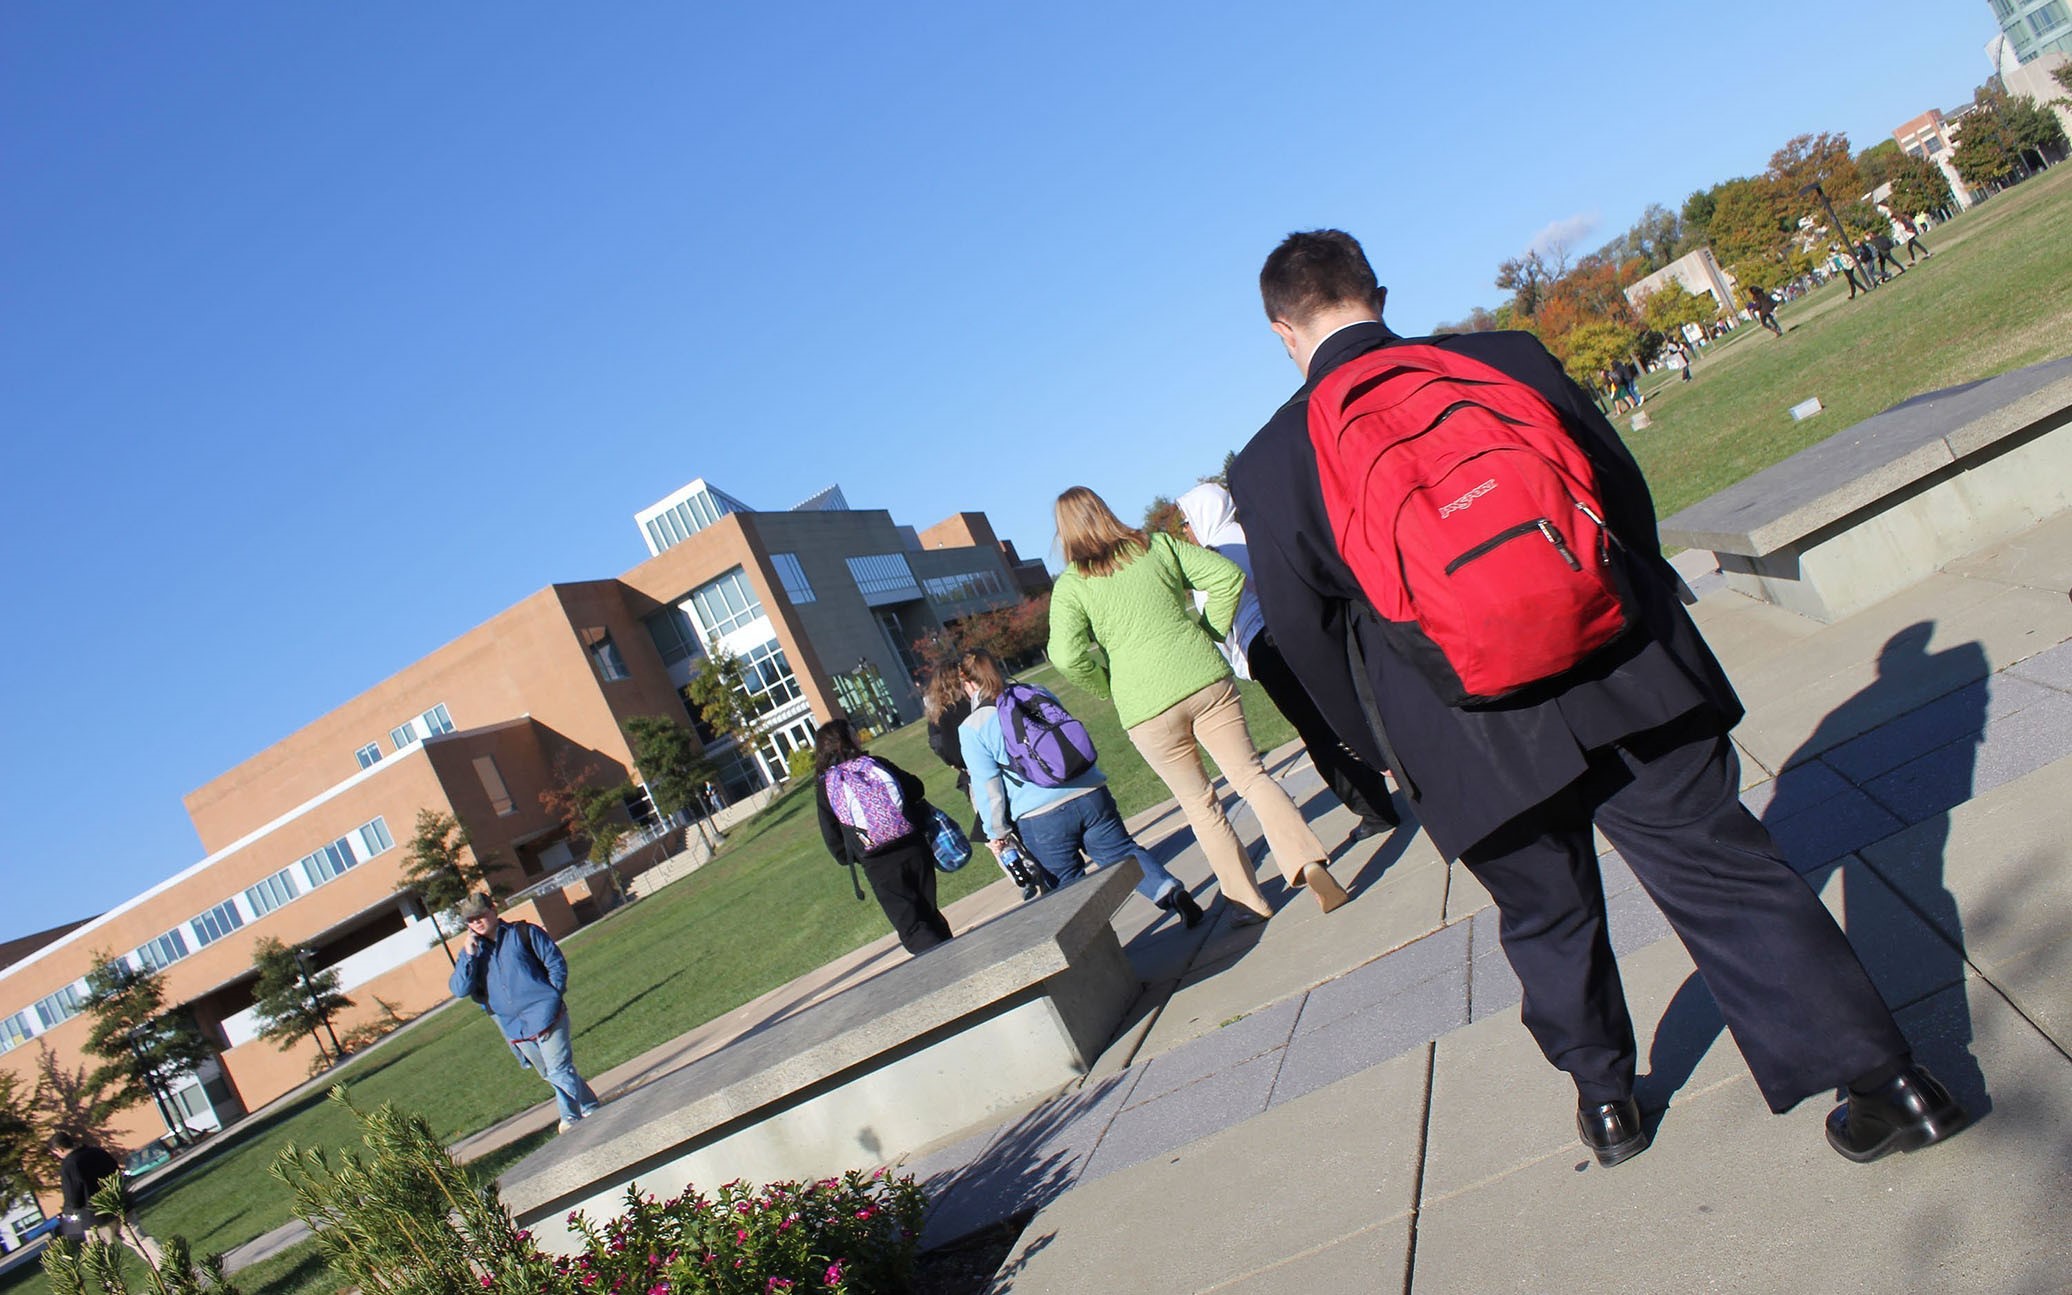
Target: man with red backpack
<point>1458,558</point>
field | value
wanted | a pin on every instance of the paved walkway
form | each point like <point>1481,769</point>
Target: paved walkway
<point>1350,1103</point>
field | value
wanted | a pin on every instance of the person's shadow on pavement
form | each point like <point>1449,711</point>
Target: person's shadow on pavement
<point>1873,765</point>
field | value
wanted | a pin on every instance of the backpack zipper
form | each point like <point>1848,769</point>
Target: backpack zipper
<point>1509,533</point>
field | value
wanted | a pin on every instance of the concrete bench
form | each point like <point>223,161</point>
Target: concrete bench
<point>1007,1012</point>
<point>1850,521</point>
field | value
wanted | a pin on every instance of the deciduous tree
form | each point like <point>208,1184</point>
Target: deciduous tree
<point>23,1161</point>
<point>442,867</point>
<point>1672,306</point>
<point>294,998</point>
<point>1919,185</point>
<point>1596,346</point>
<point>671,763</point>
<point>1986,151</point>
<point>1477,320</point>
<point>1162,516</point>
<point>144,1048</point>
<point>73,1100</point>
<point>720,692</point>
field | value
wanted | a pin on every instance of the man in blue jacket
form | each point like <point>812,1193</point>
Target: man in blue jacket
<point>516,971</point>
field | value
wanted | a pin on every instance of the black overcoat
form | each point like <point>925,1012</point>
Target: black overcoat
<point>1469,771</point>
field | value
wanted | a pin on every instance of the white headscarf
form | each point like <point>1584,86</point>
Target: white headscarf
<point>1212,514</point>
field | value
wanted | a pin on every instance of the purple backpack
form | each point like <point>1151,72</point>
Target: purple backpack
<point>865,796</point>
<point>1045,746</point>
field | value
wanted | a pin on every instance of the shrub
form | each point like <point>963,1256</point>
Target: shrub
<point>407,1219</point>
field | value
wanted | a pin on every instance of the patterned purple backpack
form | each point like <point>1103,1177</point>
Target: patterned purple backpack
<point>1045,746</point>
<point>865,796</point>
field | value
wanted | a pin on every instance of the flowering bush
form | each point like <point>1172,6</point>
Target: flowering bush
<point>407,1220</point>
<point>851,1234</point>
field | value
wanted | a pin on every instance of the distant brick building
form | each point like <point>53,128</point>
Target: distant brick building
<point>821,605</point>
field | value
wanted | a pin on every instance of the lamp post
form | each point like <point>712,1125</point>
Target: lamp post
<point>1834,221</point>
<point>303,955</point>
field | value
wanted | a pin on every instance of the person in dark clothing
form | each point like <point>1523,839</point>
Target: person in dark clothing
<point>1627,376</point>
<point>1881,252</point>
<point>1763,306</point>
<point>878,799</point>
<point>1633,740</point>
<point>83,1168</point>
<point>1211,521</point>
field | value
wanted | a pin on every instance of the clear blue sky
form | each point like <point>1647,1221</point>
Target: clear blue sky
<point>331,330</point>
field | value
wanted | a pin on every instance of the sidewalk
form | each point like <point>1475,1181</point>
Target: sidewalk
<point>1350,1103</point>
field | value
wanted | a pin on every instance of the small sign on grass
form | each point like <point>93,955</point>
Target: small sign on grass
<point>1805,409</point>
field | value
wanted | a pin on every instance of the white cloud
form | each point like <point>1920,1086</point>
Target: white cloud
<point>1567,232</point>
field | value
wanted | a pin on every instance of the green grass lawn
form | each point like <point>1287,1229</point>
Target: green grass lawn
<point>769,909</point>
<point>1997,295</point>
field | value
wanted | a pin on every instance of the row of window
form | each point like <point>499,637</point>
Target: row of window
<point>965,586</point>
<point>768,677</point>
<point>697,511</point>
<point>304,875</point>
<point>881,573</point>
<point>411,731</point>
<point>2042,20</point>
<point>725,604</point>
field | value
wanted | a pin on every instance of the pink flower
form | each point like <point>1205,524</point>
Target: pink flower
<point>487,1281</point>
<point>834,1273</point>
<point>740,1235</point>
<point>524,1234</point>
<point>865,1213</point>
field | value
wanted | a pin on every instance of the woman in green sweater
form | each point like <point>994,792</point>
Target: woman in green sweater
<point>1172,688</point>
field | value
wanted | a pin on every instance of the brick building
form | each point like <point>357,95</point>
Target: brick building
<point>304,841</point>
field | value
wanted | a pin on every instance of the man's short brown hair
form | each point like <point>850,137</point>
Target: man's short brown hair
<point>1313,271</point>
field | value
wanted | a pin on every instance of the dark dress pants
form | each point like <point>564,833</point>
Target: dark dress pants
<point>1355,782</point>
<point>903,879</point>
<point>1801,1008</point>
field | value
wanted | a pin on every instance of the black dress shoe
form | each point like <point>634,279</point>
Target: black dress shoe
<point>1181,902</point>
<point>1612,1130</point>
<point>1905,1113</point>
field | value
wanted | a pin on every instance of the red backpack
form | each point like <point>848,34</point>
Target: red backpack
<point>1470,517</point>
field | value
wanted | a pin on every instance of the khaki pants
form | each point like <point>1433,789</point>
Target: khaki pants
<point>1214,718</point>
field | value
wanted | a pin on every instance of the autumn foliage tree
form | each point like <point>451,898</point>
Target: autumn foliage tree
<point>1669,308</point>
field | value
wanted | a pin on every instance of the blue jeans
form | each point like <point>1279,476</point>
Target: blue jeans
<point>555,1061</point>
<point>1089,822</point>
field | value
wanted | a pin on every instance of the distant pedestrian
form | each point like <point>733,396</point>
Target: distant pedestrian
<point>1845,265</point>
<point>1627,376</point>
<point>1063,826</point>
<point>945,705</point>
<point>1764,307</point>
<point>1881,250</point>
<point>1129,592</point>
<point>1684,352</point>
<point>873,814</point>
<point>1609,385</point>
<point>1908,236</point>
<point>516,972</point>
<point>1211,521</point>
<point>1867,264</point>
<point>84,1168</point>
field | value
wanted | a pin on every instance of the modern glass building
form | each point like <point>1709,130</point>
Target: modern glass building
<point>2035,27</point>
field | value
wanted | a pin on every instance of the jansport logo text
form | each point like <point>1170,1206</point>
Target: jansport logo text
<point>1461,504</point>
